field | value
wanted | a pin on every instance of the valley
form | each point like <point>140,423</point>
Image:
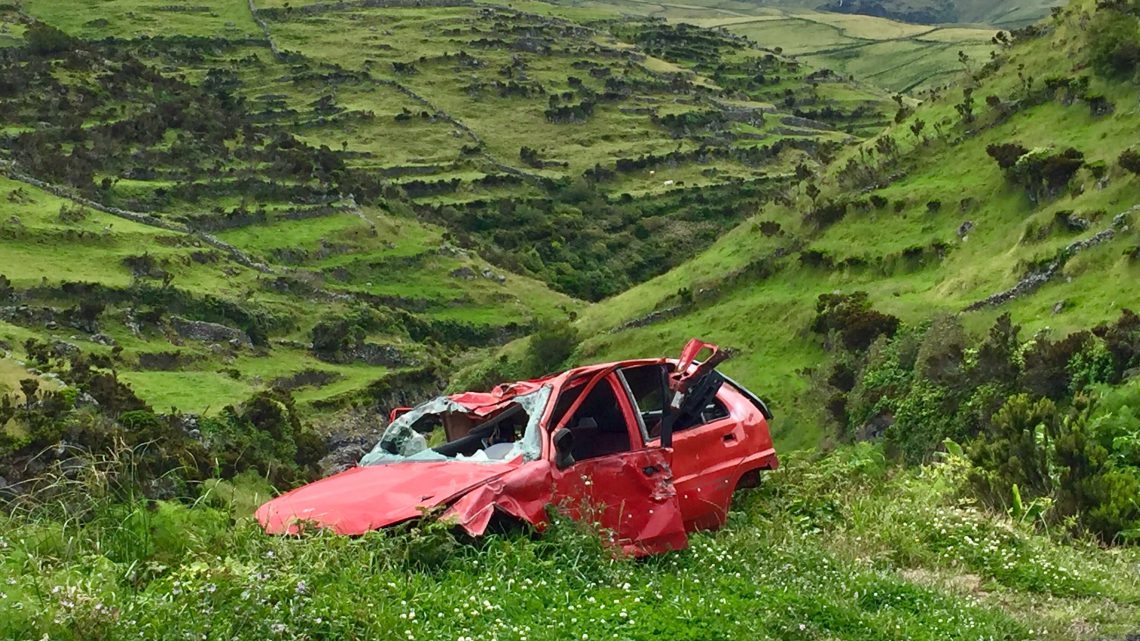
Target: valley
<point>236,234</point>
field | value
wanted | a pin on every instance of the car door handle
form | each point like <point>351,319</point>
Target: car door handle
<point>730,437</point>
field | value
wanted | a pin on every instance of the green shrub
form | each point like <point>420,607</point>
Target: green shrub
<point>924,419</point>
<point>1130,160</point>
<point>551,344</point>
<point>998,359</point>
<point>941,356</point>
<point>1114,42</point>
<point>1015,450</point>
<point>1006,154</point>
<point>1098,455</point>
<point>1044,173</point>
<point>1122,340</point>
<point>853,319</point>
<point>1047,371</point>
<point>884,379</point>
<point>265,434</point>
<point>44,39</point>
<point>1091,366</point>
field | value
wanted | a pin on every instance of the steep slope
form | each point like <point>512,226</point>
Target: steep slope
<point>226,197</point>
<point>926,222</point>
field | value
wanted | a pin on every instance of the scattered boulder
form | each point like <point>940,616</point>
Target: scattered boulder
<point>491,275</point>
<point>464,273</point>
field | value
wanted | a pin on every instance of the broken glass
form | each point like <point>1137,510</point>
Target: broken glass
<point>402,442</point>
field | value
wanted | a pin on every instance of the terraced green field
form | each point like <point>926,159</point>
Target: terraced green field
<point>447,176</point>
<point>756,290</point>
<point>897,56</point>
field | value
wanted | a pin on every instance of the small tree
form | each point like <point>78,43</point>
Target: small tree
<point>916,127</point>
<point>1114,42</point>
<point>851,316</point>
<point>29,386</point>
<point>966,107</point>
<point>1016,451</point>
<point>550,345</point>
<point>1006,154</point>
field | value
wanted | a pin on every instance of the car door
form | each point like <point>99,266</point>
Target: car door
<point>615,481</point>
<point>706,447</point>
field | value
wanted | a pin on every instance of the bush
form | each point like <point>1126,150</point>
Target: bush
<point>1098,455</point>
<point>1122,340</point>
<point>44,39</point>
<point>264,434</point>
<point>1044,173</point>
<point>333,336</point>
<point>883,381</point>
<point>1130,161</point>
<point>925,418</point>
<point>997,359</point>
<point>551,344</point>
<point>1114,42</point>
<point>1046,371</point>
<point>1015,451</point>
<point>826,214</point>
<point>941,355</point>
<point>851,317</point>
<point>1006,154</point>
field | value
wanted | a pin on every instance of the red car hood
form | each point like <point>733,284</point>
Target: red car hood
<point>367,498</point>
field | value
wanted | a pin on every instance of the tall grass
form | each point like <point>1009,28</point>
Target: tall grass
<point>829,547</point>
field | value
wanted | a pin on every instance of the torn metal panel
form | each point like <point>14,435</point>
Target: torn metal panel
<point>362,499</point>
<point>629,495</point>
<point>523,494</point>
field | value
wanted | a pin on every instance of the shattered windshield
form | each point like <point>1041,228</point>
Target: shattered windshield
<point>443,430</point>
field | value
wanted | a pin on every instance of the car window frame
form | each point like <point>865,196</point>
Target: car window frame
<point>608,376</point>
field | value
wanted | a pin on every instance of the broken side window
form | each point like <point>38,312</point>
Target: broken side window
<point>599,425</point>
<point>443,430</point>
<point>649,387</point>
<point>649,390</point>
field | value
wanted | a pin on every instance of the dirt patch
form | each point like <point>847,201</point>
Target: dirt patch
<point>965,583</point>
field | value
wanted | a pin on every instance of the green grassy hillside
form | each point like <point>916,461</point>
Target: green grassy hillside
<point>876,50</point>
<point>1003,13</point>
<point>902,237</point>
<point>442,177</point>
<point>279,220</point>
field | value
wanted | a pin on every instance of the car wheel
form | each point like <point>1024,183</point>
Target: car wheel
<point>749,479</point>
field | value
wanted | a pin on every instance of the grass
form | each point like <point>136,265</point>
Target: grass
<point>893,55</point>
<point>187,390</point>
<point>767,317</point>
<point>135,18</point>
<point>839,546</point>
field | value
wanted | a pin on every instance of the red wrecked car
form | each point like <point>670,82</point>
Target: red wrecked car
<point>649,449</point>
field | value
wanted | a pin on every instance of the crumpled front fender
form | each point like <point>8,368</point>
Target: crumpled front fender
<point>523,493</point>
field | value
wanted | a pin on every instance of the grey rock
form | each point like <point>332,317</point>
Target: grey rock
<point>209,332</point>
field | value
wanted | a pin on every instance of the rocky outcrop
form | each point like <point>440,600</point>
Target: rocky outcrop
<point>1035,279</point>
<point>209,332</point>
